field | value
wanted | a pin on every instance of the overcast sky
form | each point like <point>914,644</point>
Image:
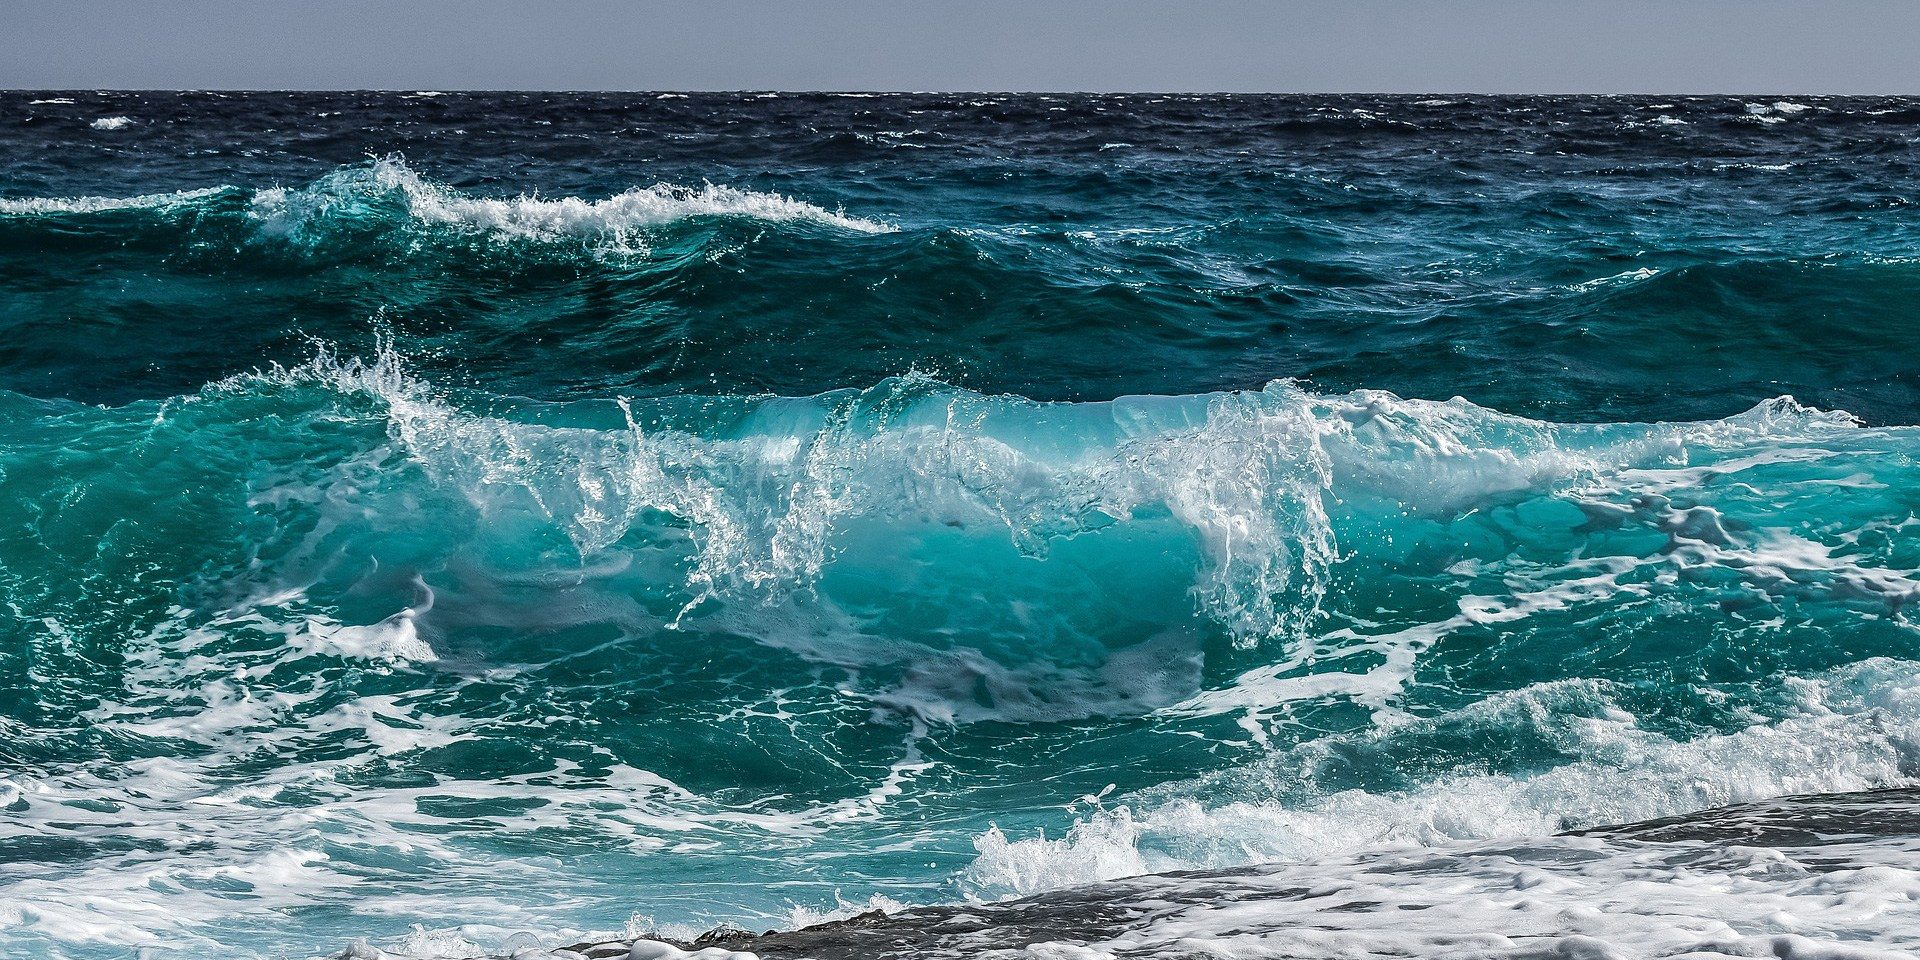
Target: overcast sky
<point>1676,46</point>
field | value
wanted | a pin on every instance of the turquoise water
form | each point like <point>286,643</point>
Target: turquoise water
<point>477,522</point>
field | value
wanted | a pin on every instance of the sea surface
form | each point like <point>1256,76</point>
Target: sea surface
<point>459,525</point>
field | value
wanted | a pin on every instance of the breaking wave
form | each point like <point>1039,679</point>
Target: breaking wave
<point>1314,577</point>
<point>386,194</point>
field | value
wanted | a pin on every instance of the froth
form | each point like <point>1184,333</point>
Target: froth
<point>1561,897</point>
<point>617,223</point>
<point>1244,475</point>
<point>386,196</point>
<point>1854,729</point>
<point>27,206</point>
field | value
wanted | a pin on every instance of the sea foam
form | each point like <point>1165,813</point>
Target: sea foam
<point>29,206</point>
<point>618,222</point>
<point>386,195</point>
<point>1856,728</point>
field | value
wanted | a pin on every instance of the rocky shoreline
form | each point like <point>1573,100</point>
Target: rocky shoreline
<point>1824,832</point>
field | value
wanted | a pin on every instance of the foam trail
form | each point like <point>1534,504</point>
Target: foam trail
<point>160,202</point>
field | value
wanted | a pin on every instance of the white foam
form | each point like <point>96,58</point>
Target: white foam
<point>655,950</point>
<point>111,123</point>
<point>60,205</point>
<point>619,221</point>
<point>393,640</point>
<point>804,916</point>
<point>1567,898</point>
<point>1855,729</point>
<point>1630,276</point>
<point>355,196</point>
<point>247,848</point>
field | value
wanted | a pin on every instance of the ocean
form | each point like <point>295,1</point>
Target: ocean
<point>1060,527</point>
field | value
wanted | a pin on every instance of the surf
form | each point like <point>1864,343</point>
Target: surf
<point>720,513</point>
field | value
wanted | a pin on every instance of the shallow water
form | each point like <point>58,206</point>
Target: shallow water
<point>482,522</point>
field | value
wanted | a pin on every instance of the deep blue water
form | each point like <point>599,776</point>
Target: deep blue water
<point>473,521</point>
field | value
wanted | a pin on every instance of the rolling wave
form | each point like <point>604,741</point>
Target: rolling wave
<point>383,573</point>
<point>386,194</point>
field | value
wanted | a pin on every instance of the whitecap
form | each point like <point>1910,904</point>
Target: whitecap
<point>59,205</point>
<point>618,222</point>
<point>1630,276</point>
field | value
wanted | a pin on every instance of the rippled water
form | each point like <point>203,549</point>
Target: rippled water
<point>472,523</point>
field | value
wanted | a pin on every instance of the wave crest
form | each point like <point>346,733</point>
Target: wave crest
<point>618,222</point>
<point>386,194</point>
<point>157,202</point>
<point>769,488</point>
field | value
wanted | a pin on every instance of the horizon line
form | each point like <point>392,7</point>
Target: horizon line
<point>762,91</point>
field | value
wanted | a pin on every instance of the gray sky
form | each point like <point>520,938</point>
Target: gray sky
<point>1677,46</point>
